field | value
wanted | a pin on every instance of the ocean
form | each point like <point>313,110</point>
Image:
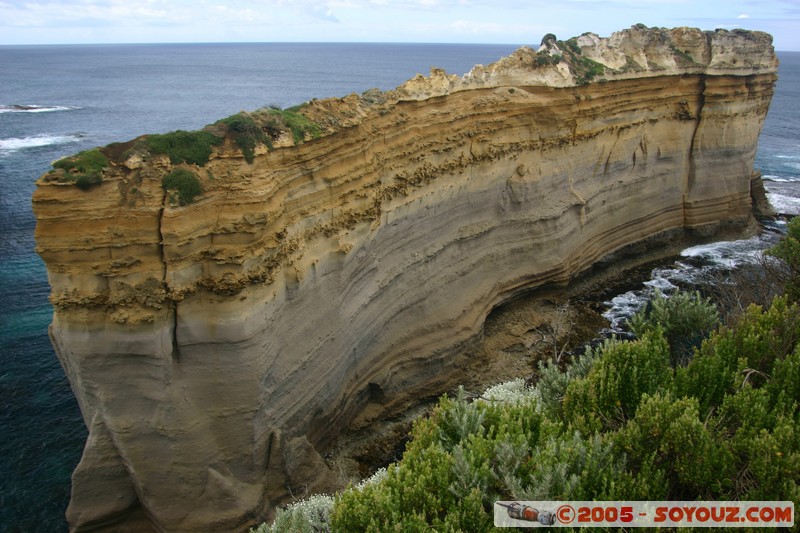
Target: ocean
<point>58,100</point>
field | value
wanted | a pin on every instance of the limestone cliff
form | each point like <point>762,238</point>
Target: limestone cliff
<point>217,347</point>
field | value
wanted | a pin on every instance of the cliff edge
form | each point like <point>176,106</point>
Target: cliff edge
<point>227,301</point>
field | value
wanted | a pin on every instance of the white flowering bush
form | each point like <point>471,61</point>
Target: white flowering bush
<point>514,391</point>
<point>375,478</point>
<point>309,515</point>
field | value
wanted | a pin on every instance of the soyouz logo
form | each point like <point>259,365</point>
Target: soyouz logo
<point>644,514</point>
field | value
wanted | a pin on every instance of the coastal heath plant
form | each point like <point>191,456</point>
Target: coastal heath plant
<point>788,251</point>
<point>184,183</point>
<point>85,169</point>
<point>246,134</point>
<point>685,318</point>
<point>310,515</point>
<point>184,146</point>
<point>551,388</point>
<point>613,388</point>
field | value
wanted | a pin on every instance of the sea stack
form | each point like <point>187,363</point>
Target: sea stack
<point>219,340</point>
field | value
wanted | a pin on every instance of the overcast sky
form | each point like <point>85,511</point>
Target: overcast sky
<point>456,21</point>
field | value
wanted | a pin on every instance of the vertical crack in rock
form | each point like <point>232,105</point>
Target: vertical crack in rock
<point>698,122</point>
<point>172,302</point>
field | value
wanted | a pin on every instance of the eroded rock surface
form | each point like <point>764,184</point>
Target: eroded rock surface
<point>217,348</point>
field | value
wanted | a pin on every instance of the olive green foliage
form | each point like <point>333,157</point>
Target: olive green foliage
<point>184,146</point>
<point>184,184</point>
<point>682,54</point>
<point>276,120</point>
<point>246,134</point>
<point>585,69</point>
<point>572,45</point>
<point>84,169</point>
<point>544,58</point>
<point>686,318</point>
<point>788,251</point>
<point>610,393</point>
<point>624,425</point>
<point>553,382</point>
<point>589,69</point>
<point>86,181</point>
<point>548,38</point>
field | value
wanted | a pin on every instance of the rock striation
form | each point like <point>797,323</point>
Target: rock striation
<point>217,348</point>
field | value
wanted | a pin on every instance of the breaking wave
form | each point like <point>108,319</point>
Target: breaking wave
<point>784,204</point>
<point>696,264</point>
<point>21,143</point>
<point>24,108</point>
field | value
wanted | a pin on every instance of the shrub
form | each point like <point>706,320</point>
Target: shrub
<point>84,169</point>
<point>788,251</point>
<point>544,58</point>
<point>550,37</point>
<point>276,120</point>
<point>572,46</point>
<point>310,515</point>
<point>684,318</point>
<point>87,181</point>
<point>588,69</point>
<point>246,134</point>
<point>669,436</point>
<point>87,162</point>
<point>460,460</point>
<point>184,146</point>
<point>753,345</point>
<point>184,183</point>
<point>611,392</point>
<point>552,385</point>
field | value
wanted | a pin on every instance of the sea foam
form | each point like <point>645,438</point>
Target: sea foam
<point>21,143</point>
<point>33,108</point>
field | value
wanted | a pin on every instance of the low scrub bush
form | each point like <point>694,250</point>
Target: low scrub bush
<point>611,391</point>
<point>685,319</point>
<point>87,181</point>
<point>277,120</point>
<point>310,515</point>
<point>86,162</point>
<point>184,184</point>
<point>84,169</point>
<point>184,146</point>
<point>788,251</point>
<point>246,134</point>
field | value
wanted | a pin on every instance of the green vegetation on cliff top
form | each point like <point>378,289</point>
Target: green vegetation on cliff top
<point>246,130</point>
<point>85,169</point>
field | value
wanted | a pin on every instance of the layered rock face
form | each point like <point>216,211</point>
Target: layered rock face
<point>217,348</point>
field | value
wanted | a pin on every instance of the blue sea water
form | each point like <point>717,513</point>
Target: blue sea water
<point>57,100</point>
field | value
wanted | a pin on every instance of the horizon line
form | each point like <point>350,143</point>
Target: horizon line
<point>184,43</point>
<point>262,42</point>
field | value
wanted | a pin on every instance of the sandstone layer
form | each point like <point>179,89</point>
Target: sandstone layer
<point>217,348</point>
